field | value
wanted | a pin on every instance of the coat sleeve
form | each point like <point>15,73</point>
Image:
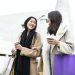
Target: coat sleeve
<point>35,49</point>
<point>67,46</point>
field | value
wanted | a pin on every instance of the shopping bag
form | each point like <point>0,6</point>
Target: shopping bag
<point>64,64</point>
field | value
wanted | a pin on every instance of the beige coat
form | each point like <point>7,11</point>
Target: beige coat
<point>66,46</point>
<point>33,53</point>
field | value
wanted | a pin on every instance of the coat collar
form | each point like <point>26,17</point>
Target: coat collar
<point>61,31</point>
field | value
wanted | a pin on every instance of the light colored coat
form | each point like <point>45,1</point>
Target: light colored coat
<point>33,53</point>
<point>65,46</point>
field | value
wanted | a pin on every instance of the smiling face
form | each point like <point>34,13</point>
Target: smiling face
<point>31,24</point>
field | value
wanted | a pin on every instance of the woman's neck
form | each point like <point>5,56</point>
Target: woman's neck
<point>28,32</point>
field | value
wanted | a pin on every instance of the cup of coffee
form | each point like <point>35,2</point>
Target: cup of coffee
<point>49,37</point>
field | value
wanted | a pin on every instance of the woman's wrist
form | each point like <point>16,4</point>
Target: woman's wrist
<point>58,43</point>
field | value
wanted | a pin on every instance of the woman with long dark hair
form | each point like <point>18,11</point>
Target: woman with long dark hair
<point>28,49</point>
<point>58,41</point>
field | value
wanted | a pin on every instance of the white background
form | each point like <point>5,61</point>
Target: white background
<point>20,6</point>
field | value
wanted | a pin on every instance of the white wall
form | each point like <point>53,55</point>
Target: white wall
<point>72,11</point>
<point>20,6</point>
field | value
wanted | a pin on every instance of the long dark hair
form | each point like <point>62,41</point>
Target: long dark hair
<point>56,18</point>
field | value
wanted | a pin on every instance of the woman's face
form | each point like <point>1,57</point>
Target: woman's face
<point>49,21</point>
<point>31,24</point>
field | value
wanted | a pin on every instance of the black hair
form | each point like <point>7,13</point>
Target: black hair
<point>27,20</point>
<point>56,18</point>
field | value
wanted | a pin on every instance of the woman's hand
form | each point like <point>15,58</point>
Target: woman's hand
<point>53,41</point>
<point>18,46</point>
<point>13,51</point>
